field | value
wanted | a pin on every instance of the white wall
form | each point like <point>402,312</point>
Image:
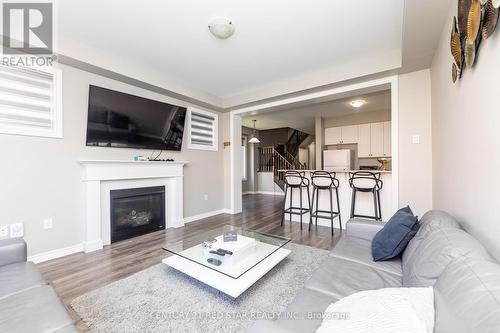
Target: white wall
<point>466,137</point>
<point>415,160</point>
<point>41,176</point>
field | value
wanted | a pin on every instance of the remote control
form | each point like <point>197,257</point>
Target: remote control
<point>225,252</point>
<point>222,254</point>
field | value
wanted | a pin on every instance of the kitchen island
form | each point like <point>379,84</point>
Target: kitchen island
<point>364,201</point>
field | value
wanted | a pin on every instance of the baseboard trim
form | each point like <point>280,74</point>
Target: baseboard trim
<point>270,193</point>
<point>54,254</point>
<point>249,192</point>
<point>205,215</point>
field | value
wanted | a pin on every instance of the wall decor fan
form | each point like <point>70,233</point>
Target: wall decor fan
<point>477,20</point>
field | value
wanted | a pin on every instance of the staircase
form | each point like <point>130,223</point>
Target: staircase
<point>283,156</point>
<point>271,160</point>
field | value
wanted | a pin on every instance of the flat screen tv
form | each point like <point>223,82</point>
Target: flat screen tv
<point>120,120</point>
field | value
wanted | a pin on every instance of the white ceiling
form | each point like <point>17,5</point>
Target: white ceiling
<point>302,118</point>
<point>280,46</point>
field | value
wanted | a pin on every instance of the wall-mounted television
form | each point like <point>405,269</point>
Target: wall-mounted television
<point>120,120</point>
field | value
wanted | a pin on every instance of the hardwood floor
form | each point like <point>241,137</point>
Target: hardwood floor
<point>77,274</point>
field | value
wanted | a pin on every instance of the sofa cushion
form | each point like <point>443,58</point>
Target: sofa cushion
<point>436,251</point>
<point>363,228</point>
<point>304,314</point>
<point>431,221</point>
<point>391,241</point>
<point>37,309</point>
<point>12,250</point>
<point>360,251</point>
<point>17,277</point>
<point>467,297</point>
<point>339,278</point>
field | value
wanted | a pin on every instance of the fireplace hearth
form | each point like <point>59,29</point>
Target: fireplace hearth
<point>136,212</point>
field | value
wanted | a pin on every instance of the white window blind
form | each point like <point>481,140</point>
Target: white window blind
<point>30,101</point>
<point>203,130</point>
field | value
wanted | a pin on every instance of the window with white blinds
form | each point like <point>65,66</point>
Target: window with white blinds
<point>30,101</point>
<point>203,129</point>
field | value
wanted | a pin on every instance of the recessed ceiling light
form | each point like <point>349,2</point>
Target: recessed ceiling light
<point>358,103</point>
<point>221,27</point>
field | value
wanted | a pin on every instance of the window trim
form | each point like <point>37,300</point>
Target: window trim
<point>57,110</point>
<point>215,146</point>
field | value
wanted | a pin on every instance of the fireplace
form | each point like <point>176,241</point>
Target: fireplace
<point>137,211</point>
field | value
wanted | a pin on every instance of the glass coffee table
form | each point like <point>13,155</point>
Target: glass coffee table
<point>231,266</point>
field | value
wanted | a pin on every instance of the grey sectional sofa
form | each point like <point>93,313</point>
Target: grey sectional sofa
<point>27,302</point>
<point>465,277</point>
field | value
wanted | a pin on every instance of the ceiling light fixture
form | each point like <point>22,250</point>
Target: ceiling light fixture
<point>254,138</point>
<point>221,27</point>
<point>358,103</point>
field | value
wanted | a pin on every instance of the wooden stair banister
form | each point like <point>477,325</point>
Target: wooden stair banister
<point>270,160</point>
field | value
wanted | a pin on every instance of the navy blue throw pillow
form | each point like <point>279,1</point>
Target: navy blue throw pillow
<point>392,240</point>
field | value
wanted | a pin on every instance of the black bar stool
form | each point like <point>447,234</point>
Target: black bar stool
<point>366,181</point>
<point>295,180</point>
<point>325,181</point>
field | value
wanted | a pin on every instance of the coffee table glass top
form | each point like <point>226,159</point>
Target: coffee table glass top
<point>237,256</point>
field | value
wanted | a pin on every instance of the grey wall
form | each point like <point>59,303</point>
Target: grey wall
<point>41,176</point>
<point>273,137</point>
<point>466,137</point>
<point>415,160</point>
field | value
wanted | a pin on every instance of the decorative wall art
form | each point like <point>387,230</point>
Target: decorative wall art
<point>477,20</point>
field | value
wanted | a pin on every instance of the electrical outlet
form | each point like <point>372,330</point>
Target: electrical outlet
<point>48,223</point>
<point>4,231</point>
<point>205,197</point>
<point>16,230</point>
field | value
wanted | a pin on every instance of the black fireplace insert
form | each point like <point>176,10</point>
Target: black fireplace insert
<point>137,211</point>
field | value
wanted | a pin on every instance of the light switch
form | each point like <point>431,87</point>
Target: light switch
<point>416,139</point>
<point>48,223</point>
<point>16,230</point>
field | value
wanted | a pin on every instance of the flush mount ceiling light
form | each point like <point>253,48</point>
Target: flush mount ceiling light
<point>254,138</point>
<point>221,27</point>
<point>358,103</point>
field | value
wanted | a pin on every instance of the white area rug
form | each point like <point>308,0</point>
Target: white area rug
<point>161,299</point>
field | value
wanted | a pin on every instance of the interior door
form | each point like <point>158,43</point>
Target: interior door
<point>350,134</point>
<point>364,140</point>
<point>333,136</point>
<point>377,140</point>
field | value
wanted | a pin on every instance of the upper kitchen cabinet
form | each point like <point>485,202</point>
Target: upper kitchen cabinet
<point>387,139</point>
<point>341,135</point>
<point>372,140</point>
<point>365,139</point>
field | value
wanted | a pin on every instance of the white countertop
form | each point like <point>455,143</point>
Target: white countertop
<point>347,171</point>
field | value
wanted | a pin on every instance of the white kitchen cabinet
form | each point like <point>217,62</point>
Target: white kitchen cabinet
<point>341,135</point>
<point>364,140</point>
<point>350,134</point>
<point>387,139</point>
<point>377,139</point>
<point>333,136</point>
<point>373,138</point>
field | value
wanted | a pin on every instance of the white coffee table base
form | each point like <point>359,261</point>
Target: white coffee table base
<point>224,283</point>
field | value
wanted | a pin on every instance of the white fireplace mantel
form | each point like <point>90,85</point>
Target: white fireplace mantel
<point>99,176</point>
